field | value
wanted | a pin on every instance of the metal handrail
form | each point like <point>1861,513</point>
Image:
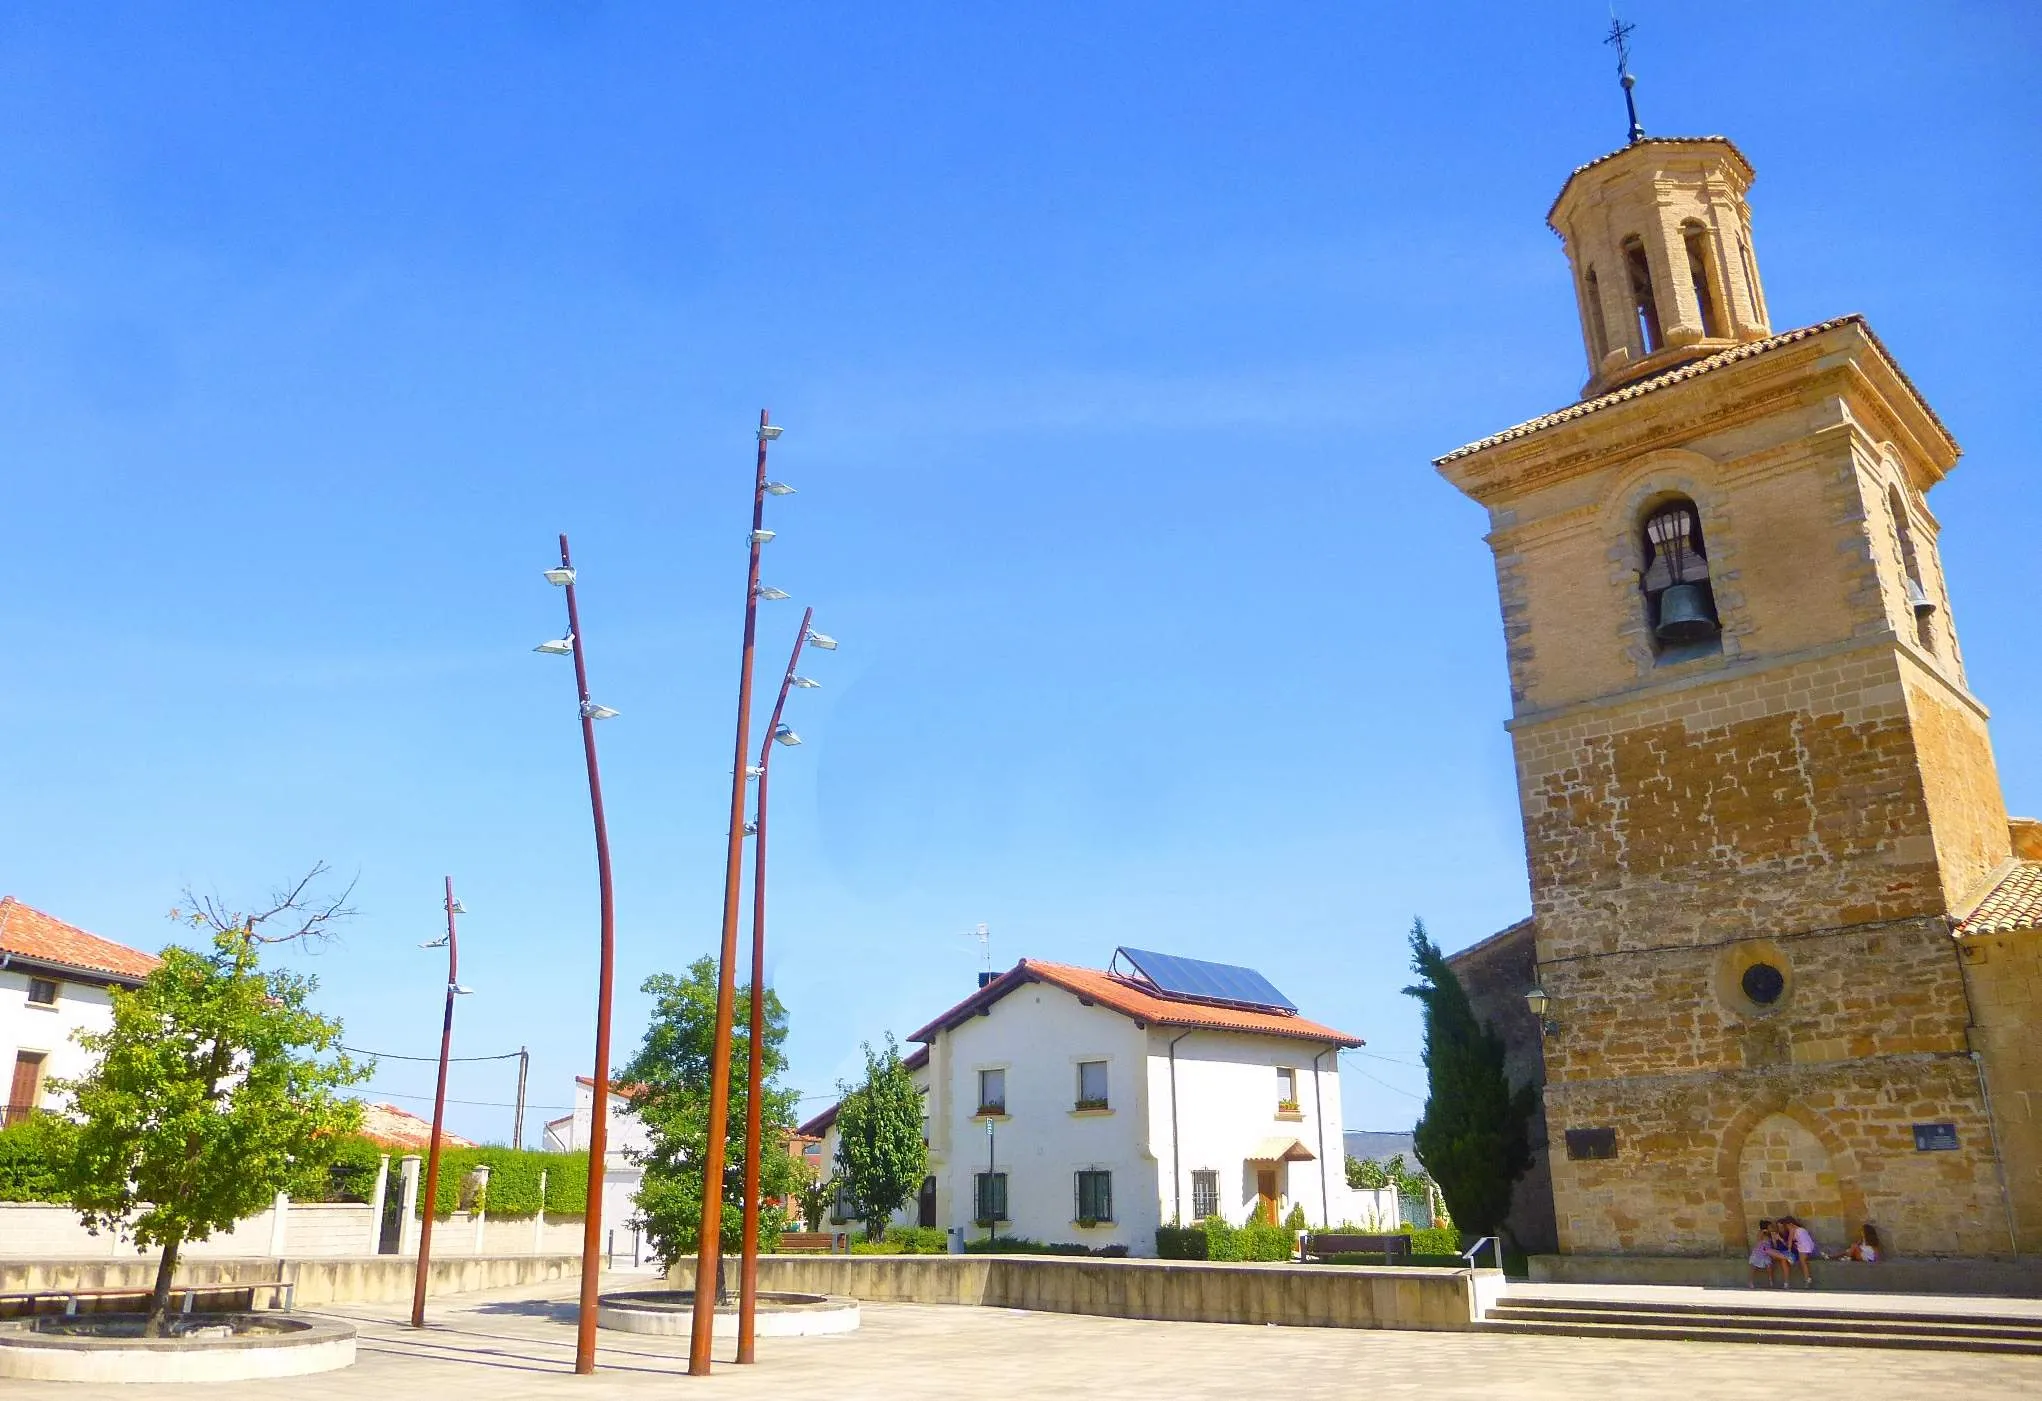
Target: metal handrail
<point>1495,1250</point>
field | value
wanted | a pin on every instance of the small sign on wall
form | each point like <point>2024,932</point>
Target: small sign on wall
<point>1591,1143</point>
<point>1935,1138</point>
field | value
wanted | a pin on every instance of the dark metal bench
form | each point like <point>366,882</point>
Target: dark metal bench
<point>1322,1244</point>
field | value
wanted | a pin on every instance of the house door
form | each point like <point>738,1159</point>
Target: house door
<point>925,1203</point>
<point>1265,1196</point>
<point>28,1083</point>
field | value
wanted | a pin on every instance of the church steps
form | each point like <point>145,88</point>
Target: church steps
<point>1817,1327</point>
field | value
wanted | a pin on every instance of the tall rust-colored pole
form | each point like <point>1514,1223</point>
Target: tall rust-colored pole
<point>708,1252</point>
<point>748,1270</point>
<point>599,1110</point>
<point>432,1161</point>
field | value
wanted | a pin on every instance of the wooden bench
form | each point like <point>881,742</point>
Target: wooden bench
<point>813,1243</point>
<point>1321,1244</point>
<point>30,1303</point>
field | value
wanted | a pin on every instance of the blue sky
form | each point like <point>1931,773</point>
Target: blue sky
<point>1113,342</point>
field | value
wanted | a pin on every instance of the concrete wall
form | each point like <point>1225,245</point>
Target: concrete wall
<point>1304,1296</point>
<point>310,1229</point>
<point>372,1278</point>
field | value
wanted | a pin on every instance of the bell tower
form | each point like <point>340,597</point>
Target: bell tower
<point>1758,795</point>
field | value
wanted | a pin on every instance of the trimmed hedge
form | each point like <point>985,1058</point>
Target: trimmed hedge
<point>1021,1245</point>
<point>33,1156</point>
<point>513,1181</point>
<point>1435,1240</point>
<point>1214,1239</point>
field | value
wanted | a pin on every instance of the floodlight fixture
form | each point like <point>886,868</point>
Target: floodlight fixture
<point>784,734</point>
<point>460,991</point>
<point>822,640</point>
<point>557,647</point>
<point>760,537</point>
<point>438,943</point>
<point>591,711</point>
<point>769,431</point>
<point>771,594</point>
<point>806,683</point>
<point>457,908</point>
<point>779,489</point>
<point>560,575</point>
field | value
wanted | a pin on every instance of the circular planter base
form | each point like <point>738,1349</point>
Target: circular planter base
<point>672,1311</point>
<point>220,1347</point>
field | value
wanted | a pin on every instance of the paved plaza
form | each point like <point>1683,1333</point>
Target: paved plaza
<point>513,1344</point>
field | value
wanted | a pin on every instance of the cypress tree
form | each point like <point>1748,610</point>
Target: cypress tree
<point>1473,1137</point>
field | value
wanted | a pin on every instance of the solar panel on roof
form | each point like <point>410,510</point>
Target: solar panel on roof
<point>1176,976</point>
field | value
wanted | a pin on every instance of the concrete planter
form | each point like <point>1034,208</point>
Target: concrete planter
<point>781,1314</point>
<point>286,1347</point>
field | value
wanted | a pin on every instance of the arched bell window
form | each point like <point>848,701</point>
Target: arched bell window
<point>1680,602</point>
<point>1696,239</point>
<point>1918,601</point>
<point>1645,306</point>
<point>1598,338</point>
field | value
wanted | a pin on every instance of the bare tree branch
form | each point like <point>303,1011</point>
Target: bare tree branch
<point>295,908</point>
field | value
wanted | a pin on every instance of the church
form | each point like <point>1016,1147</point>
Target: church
<point>1783,954</point>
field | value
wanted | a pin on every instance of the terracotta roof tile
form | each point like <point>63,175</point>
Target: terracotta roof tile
<point>1686,372</point>
<point>1131,1000</point>
<point>2015,903</point>
<point>29,933</point>
<point>396,1128</point>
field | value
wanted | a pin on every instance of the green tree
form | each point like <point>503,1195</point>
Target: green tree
<point>214,1088</point>
<point>880,1154</point>
<point>1473,1137</point>
<point>814,1196</point>
<point>669,1077</point>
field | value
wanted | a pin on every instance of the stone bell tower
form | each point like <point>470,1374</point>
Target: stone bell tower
<point>1757,792</point>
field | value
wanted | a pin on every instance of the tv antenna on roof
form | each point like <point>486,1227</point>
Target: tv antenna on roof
<point>985,944</point>
<point>1620,36</point>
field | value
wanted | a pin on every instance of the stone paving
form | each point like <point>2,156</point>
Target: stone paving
<point>515,1344</point>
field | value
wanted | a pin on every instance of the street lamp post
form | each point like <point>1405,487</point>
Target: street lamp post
<point>748,1269</point>
<point>709,1246</point>
<point>599,1112</point>
<point>432,1161</point>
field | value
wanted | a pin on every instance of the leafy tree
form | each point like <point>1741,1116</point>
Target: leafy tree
<point>1473,1138</point>
<point>669,1079</point>
<point>814,1196</point>
<point>1376,1174</point>
<point>212,1090</point>
<point>880,1153</point>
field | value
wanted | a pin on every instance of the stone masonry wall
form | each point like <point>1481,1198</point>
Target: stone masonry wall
<point>2005,974</point>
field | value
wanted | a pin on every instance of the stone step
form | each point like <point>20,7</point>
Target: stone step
<point>1728,1307</point>
<point>1778,1320</point>
<point>1686,1331</point>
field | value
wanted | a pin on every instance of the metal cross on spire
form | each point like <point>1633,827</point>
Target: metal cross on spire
<point>1620,36</point>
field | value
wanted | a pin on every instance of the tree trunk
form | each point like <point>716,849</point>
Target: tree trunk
<point>159,1302</point>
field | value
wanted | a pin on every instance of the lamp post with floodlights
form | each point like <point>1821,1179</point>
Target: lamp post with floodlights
<point>599,1113</point>
<point>709,1244</point>
<point>432,1160</point>
<point>777,733</point>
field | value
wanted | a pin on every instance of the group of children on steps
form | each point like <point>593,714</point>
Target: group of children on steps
<point>1784,1243</point>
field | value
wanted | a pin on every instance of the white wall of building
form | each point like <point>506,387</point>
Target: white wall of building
<point>25,1026</point>
<point>625,1135</point>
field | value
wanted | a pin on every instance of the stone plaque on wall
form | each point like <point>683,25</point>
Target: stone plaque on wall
<point>1591,1143</point>
<point>1935,1138</point>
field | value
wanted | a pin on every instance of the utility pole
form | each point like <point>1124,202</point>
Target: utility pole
<point>518,1127</point>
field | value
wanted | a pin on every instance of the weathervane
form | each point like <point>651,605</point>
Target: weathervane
<point>1620,35</point>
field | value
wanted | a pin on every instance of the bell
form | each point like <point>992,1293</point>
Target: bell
<point>1918,599</point>
<point>1685,616</point>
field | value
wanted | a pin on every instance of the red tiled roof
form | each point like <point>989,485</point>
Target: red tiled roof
<point>627,1091</point>
<point>1678,374</point>
<point>2015,903</point>
<point>1130,999</point>
<point>396,1128</point>
<point>29,933</point>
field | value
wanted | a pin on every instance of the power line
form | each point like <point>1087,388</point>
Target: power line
<point>1372,1055</point>
<point>429,1060</point>
<point>1386,1084</point>
<point>479,1103</point>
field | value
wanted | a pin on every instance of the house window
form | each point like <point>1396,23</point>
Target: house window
<point>1697,240</point>
<point>1286,1090</point>
<point>1643,303</point>
<point>42,992</point>
<point>992,1092</point>
<point>989,1197</point>
<point>846,1207</point>
<point>1091,1084</point>
<point>1095,1196</point>
<point>1598,334</point>
<point>1680,602</point>
<point>1205,1194</point>
<point>24,1094</point>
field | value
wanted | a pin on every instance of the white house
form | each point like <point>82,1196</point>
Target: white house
<point>54,980</point>
<point>622,1241</point>
<point>1069,1104</point>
